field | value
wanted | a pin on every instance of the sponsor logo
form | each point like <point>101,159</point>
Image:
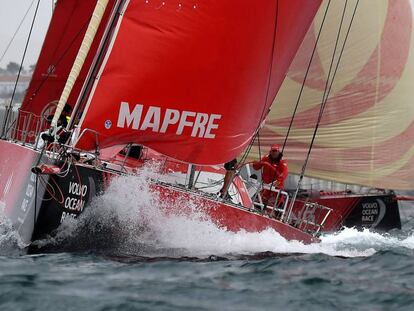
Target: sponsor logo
<point>381,214</point>
<point>51,69</point>
<point>108,124</point>
<point>159,120</point>
<point>373,212</point>
<point>77,189</point>
<point>50,72</point>
<point>74,202</point>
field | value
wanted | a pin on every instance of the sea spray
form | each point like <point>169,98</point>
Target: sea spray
<point>10,241</point>
<point>131,218</point>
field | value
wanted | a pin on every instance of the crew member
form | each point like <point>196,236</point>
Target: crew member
<point>44,135</point>
<point>228,177</point>
<point>274,174</point>
<point>62,134</point>
<point>62,123</point>
<point>65,116</point>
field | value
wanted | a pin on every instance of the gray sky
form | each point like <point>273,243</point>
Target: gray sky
<point>11,14</point>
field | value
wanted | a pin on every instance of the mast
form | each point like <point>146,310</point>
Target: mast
<point>80,58</point>
<point>88,83</point>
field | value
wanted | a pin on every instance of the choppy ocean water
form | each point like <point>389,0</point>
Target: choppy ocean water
<point>123,255</point>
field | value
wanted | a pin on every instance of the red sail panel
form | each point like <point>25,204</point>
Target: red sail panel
<point>190,79</point>
<point>63,39</point>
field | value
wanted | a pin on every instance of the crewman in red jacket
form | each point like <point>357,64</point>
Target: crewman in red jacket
<point>274,174</point>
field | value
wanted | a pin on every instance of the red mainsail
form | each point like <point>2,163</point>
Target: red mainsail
<point>193,80</point>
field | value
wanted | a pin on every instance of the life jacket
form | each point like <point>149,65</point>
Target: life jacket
<point>273,172</point>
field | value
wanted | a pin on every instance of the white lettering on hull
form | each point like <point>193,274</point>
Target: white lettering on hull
<point>77,189</point>
<point>369,211</point>
<point>201,124</point>
<point>74,204</point>
<point>65,214</point>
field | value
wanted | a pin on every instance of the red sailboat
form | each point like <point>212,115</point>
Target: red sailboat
<point>185,84</point>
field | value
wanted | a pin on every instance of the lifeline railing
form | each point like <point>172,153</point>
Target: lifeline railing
<point>25,127</point>
<point>277,208</point>
<point>311,217</point>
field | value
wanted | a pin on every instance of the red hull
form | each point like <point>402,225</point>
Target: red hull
<point>55,199</point>
<point>230,217</point>
<point>17,186</point>
<point>375,211</point>
<point>17,161</point>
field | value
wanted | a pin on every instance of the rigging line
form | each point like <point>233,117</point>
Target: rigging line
<point>35,200</point>
<point>324,96</point>
<point>244,157</point>
<point>342,50</point>
<point>258,144</point>
<point>323,107</point>
<point>118,8</point>
<point>325,100</point>
<point>306,75</point>
<point>272,56</point>
<point>261,121</point>
<point>50,72</point>
<point>260,158</point>
<point>20,70</point>
<point>17,30</point>
<point>328,89</point>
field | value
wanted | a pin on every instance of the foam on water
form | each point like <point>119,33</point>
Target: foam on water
<point>134,216</point>
<point>10,242</point>
<point>130,218</point>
